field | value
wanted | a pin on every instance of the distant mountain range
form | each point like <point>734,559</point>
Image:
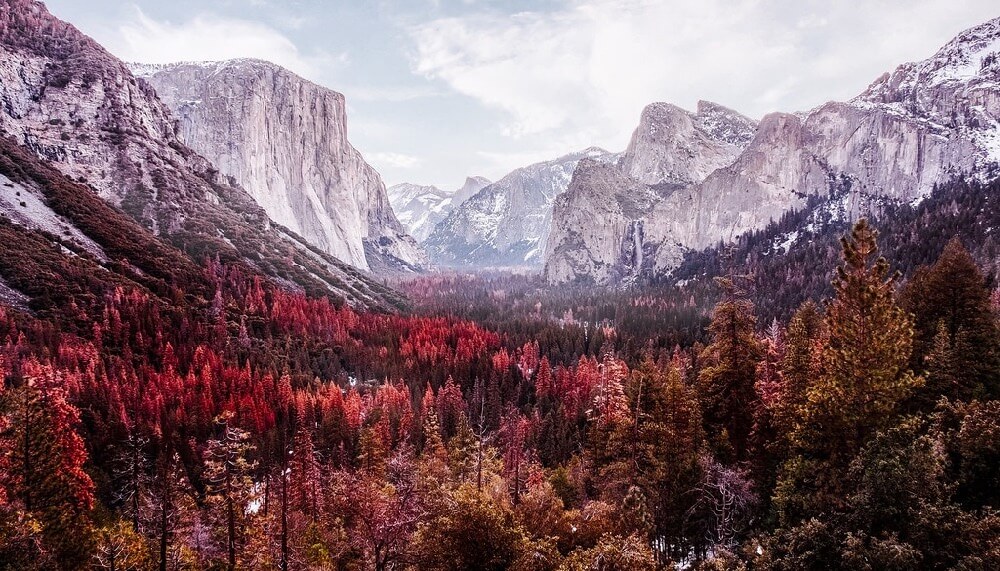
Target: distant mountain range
<point>420,208</point>
<point>506,224</point>
<point>245,161</point>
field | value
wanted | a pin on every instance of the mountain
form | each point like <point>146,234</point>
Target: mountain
<point>674,146</point>
<point>284,140</point>
<point>911,130</point>
<point>670,150</point>
<point>79,109</point>
<point>419,208</point>
<point>507,223</point>
<point>472,185</point>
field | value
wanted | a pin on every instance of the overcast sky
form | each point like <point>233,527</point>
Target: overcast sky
<point>441,89</point>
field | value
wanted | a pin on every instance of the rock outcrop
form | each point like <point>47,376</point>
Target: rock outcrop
<point>284,140</point>
<point>674,146</point>
<point>909,131</point>
<point>579,249</point>
<point>506,224</point>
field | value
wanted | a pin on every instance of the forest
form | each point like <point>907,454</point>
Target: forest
<point>218,421</point>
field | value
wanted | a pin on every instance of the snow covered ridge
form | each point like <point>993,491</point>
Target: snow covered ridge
<point>507,222</point>
<point>420,208</point>
<point>971,59</point>
<point>146,70</point>
<point>971,53</point>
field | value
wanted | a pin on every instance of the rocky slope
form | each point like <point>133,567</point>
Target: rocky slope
<point>79,108</point>
<point>909,131</point>
<point>506,224</point>
<point>420,208</point>
<point>284,140</point>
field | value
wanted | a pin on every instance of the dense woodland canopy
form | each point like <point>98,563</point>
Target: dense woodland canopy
<point>212,420</point>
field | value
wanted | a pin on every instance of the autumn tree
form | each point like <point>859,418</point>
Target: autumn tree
<point>471,531</point>
<point>119,547</point>
<point>45,459</point>
<point>612,553</point>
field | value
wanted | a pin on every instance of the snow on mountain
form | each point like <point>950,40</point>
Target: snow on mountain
<point>910,130</point>
<point>507,223</point>
<point>420,208</point>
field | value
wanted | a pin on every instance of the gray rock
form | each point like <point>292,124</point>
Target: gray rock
<point>506,224</point>
<point>72,103</point>
<point>284,140</point>
<point>910,130</point>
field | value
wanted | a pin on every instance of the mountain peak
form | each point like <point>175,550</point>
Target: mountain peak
<point>972,54</point>
<point>970,58</point>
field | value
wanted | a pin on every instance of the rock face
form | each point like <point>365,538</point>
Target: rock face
<point>420,208</point>
<point>284,140</point>
<point>506,224</point>
<point>470,188</point>
<point>78,107</point>
<point>673,146</point>
<point>910,130</point>
<point>578,248</point>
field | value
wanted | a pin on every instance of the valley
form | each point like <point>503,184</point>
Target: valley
<point>227,343</point>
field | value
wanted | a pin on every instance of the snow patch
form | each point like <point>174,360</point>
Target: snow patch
<point>26,206</point>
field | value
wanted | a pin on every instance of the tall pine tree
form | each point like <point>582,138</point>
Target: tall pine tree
<point>863,378</point>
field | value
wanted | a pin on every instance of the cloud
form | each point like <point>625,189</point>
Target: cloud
<point>582,72</point>
<point>392,160</point>
<point>391,94</point>
<point>206,37</point>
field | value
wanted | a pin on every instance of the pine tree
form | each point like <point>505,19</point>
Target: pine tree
<point>168,506</point>
<point>953,293</point>
<point>45,458</point>
<point>230,489</point>
<point>863,378</point>
<point>656,449</point>
<point>304,473</point>
<point>130,471</point>
<point>726,380</point>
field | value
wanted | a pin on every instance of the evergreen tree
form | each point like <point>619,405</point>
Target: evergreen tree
<point>229,486</point>
<point>729,366</point>
<point>656,450</point>
<point>45,457</point>
<point>863,378</point>
<point>168,506</point>
<point>951,296</point>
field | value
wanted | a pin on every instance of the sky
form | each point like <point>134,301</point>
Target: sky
<point>438,90</point>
